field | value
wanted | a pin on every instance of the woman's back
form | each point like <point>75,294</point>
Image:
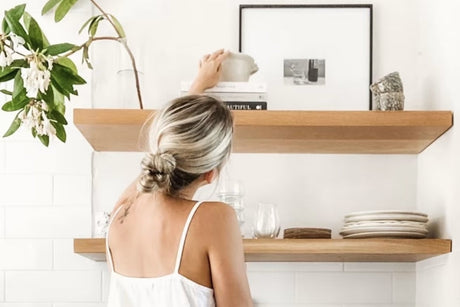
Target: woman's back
<point>149,266</point>
<point>189,142</point>
<point>145,239</point>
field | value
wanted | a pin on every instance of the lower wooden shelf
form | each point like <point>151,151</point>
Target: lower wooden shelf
<point>315,250</point>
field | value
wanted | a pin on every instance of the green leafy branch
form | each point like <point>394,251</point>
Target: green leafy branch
<point>42,74</point>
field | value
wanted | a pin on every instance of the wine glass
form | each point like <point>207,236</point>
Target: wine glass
<point>267,223</point>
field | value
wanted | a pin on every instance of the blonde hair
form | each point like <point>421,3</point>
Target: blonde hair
<point>192,135</point>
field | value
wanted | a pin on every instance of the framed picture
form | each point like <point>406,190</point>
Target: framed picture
<point>312,57</point>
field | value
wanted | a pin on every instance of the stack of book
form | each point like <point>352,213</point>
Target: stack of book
<point>237,95</point>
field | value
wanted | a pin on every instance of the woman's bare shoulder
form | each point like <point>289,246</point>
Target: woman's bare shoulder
<point>217,220</point>
<point>216,211</point>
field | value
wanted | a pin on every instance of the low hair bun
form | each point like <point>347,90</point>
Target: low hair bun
<point>156,172</point>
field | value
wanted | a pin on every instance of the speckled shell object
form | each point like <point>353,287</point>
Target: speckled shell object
<point>388,93</point>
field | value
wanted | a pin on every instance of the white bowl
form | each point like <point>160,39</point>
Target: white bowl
<point>238,67</point>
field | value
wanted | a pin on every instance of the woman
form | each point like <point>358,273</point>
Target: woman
<point>163,248</point>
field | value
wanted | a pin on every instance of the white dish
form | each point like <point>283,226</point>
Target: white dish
<point>373,212</point>
<point>349,231</point>
<point>376,217</point>
<point>389,234</point>
<point>386,223</point>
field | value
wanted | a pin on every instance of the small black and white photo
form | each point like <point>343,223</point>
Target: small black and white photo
<point>304,71</point>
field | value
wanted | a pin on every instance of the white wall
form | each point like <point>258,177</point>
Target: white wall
<point>438,279</point>
<point>46,194</point>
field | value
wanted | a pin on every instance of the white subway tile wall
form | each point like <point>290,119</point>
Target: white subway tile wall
<point>72,190</point>
<point>2,286</point>
<point>26,189</point>
<point>53,286</point>
<point>47,222</point>
<point>404,287</point>
<point>65,259</point>
<point>2,221</point>
<point>26,305</point>
<point>26,254</point>
<point>357,288</point>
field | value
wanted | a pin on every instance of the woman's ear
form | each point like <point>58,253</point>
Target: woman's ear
<point>210,176</point>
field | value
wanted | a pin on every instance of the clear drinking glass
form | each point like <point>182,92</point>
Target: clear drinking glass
<point>267,224</point>
<point>231,192</point>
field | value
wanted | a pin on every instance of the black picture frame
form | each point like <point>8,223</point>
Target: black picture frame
<point>368,7</point>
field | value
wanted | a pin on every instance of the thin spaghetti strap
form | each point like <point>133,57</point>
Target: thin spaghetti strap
<point>184,236</point>
<point>108,253</point>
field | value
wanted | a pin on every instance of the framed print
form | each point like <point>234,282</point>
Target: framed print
<point>312,57</point>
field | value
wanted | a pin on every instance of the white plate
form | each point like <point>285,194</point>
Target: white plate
<point>389,234</point>
<point>376,217</point>
<point>349,231</point>
<point>386,223</point>
<point>373,212</point>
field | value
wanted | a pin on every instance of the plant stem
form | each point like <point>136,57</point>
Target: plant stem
<point>11,48</point>
<point>136,74</point>
<point>88,42</point>
<point>105,15</point>
<point>122,40</point>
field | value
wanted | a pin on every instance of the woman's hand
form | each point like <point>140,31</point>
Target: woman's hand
<point>209,72</point>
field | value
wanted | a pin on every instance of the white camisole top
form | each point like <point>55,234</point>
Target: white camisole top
<point>169,290</point>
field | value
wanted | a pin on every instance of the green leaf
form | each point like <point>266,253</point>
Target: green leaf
<point>59,48</point>
<point>15,26</point>
<point>19,92</point>
<point>59,104</point>
<point>60,131</point>
<point>60,88</point>
<point>17,11</point>
<point>47,97</point>
<point>49,5</point>
<point>11,106</point>
<point>19,63</point>
<point>7,74</point>
<point>65,73</point>
<point>86,23</point>
<point>118,27</point>
<point>44,139</point>
<point>34,132</point>
<point>6,92</point>
<point>85,57</point>
<point>14,126</point>
<point>63,9</point>
<point>54,114</point>
<point>63,79</point>
<point>67,63</point>
<point>26,18</point>
<point>92,29</point>
<point>35,34</point>
<point>5,27</point>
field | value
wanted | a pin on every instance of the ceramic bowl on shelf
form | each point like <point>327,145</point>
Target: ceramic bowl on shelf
<point>238,67</point>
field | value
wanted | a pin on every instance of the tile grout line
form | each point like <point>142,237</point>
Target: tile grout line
<point>102,287</point>
<point>53,178</point>
<point>4,157</point>
<point>52,255</point>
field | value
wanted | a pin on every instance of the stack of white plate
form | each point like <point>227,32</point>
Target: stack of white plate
<point>388,223</point>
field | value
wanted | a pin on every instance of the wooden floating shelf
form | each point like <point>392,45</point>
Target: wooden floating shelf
<point>315,250</point>
<point>363,132</point>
